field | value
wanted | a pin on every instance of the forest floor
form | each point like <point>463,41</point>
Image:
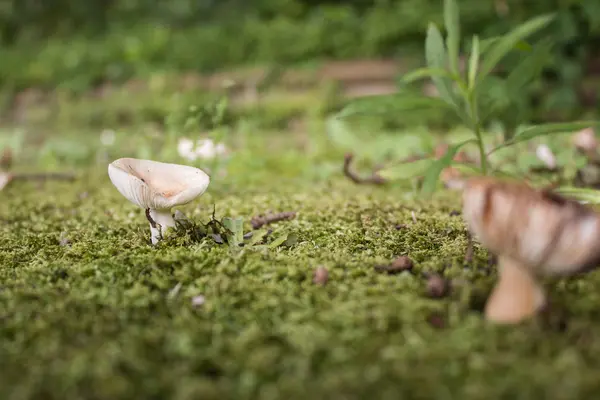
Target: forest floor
<point>89,309</point>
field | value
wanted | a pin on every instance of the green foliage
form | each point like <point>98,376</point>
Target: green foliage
<point>74,45</point>
<point>479,97</point>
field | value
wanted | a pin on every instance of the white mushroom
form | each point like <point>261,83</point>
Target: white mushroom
<point>157,187</point>
<point>534,233</point>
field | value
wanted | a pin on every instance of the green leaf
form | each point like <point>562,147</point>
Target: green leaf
<point>388,104</point>
<point>433,172</point>
<point>473,62</point>
<point>502,46</point>
<point>486,44</point>
<point>236,234</point>
<point>543,130</point>
<point>435,53</point>
<point>493,96</point>
<point>405,170</point>
<point>452,22</point>
<point>279,240</point>
<point>257,237</point>
<point>530,67</point>
<point>422,73</point>
<point>291,240</point>
<point>582,194</point>
<point>338,133</point>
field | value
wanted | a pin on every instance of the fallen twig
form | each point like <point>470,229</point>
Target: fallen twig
<point>262,220</point>
<point>374,179</point>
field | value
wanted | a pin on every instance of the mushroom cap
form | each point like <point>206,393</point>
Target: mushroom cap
<point>546,233</point>
<point>157,185</point>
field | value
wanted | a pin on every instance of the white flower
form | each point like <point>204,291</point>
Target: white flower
<point>203,148</point>
<point>185,148</point>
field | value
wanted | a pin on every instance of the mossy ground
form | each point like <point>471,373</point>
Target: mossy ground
<point>88,309</point>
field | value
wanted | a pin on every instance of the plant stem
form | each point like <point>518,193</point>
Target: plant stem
<point>477,129</point>
<point>482,154</point>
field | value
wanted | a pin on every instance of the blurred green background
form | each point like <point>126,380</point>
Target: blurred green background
<point>77,46</point>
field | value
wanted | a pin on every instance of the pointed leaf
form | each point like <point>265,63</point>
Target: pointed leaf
<point>529,68</point>
<point>452,22</point>
<point>405,170</point>
<point>486,44</point>
<point>433,172</point>
<point>473,62</point>
<point>506,43</point>
<point>582,194</point>
<point>387,104</point>
<point>278,241</point>
<point>545,129</point>
<point>435,54</point>
<point>257,237</point>
<point>422,73</point>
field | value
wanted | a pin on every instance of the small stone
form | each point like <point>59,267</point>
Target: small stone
<point>198,300</point>
<point>437,286</point>
<point>321,276</point>
<point>248,235</point>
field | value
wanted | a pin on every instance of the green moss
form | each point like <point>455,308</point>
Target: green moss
<point>98,317</point>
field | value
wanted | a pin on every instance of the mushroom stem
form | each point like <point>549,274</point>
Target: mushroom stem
<point>517,295</point>
<point>159,220</point>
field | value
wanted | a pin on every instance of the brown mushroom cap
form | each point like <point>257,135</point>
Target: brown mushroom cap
<point>544,232</point>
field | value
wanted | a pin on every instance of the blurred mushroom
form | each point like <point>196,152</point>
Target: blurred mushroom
<point>535,234</point>
<point>585,141</point>
<point>5,179</point>
<point>452,178</point>
<point>157,187</point>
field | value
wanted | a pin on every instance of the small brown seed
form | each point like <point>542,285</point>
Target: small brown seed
<point>437,286</point>
<point>400,264</point>
<point>437,320</point>
<point>321,276</point>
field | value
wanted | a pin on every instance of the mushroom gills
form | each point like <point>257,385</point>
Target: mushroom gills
<point>517,295</point>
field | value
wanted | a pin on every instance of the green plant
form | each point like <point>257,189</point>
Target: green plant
<point>475,95</point>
